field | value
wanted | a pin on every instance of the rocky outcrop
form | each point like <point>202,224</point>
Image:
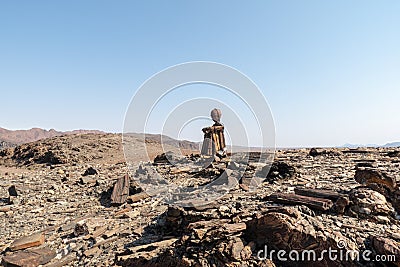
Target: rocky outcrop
<point>35,134</point>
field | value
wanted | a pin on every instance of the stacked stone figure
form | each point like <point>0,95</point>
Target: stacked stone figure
<point>214,139</point>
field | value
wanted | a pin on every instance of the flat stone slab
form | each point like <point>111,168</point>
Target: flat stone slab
<point>28,242</point>
<point>29,258</point>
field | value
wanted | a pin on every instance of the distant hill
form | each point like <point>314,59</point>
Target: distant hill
<point>393,144</point>
<point>358,145</point>
<point>18,137</point>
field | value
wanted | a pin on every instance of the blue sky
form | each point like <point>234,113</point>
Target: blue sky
<point>329,69</point>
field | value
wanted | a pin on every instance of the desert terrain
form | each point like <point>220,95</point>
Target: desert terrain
<point>70,200</point>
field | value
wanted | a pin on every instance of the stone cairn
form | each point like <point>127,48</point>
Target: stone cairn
<point>214,139</point>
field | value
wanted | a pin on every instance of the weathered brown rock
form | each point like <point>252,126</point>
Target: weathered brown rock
<point>365,202</point>
<point>161,159</point>
<point>146,255</point>
<point>98,232</point>
<point>279,170</point>
<point>5,208</point>
<point>137,197</point>
<point>234,228</point>
<point>174,219</point>
<point>232,250</point>
<point>121,191</point>
<point>293,199</point>
<point>341,204</point>
<point>388,247</point>
<point>287,229</point>
<point>168,157</point>
<point>369,177</point>
<point>91,252</point>
<point>396,200</point>
<point>266,263</point>
<point>63,262</point>
<point>46,254</point>
<point>318,193</point>
<point>21,259</point>
<point>244,187</point>
<point>28,241</point>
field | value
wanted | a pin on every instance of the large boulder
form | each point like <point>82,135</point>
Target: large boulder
<point>365,202</point>
<point>375,179</point>
<point>289,230</point>
<point>279,170</point>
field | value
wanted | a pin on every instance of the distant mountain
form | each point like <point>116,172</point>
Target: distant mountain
<point>10,137</point>
<point>358,145</point>
<point>393,144</point>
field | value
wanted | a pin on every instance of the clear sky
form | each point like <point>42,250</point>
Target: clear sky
<point>329,69</point>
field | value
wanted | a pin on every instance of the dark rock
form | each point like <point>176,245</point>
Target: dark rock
<point>49,157</point>
<point>90,171</point>
<point>81,229</point>
<point>279,170</point>
<point>174,219</point>
<point>341,204</point>
<point>396,200</point>
<point>6,152</point>
<point>12,191</point>
<point>169,157</point>
<point>140,171</point>
<point>393,154</point>
<point>161,159</point>
<point>314,152</point>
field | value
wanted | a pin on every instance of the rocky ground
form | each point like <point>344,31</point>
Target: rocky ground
<point>67,201</point>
